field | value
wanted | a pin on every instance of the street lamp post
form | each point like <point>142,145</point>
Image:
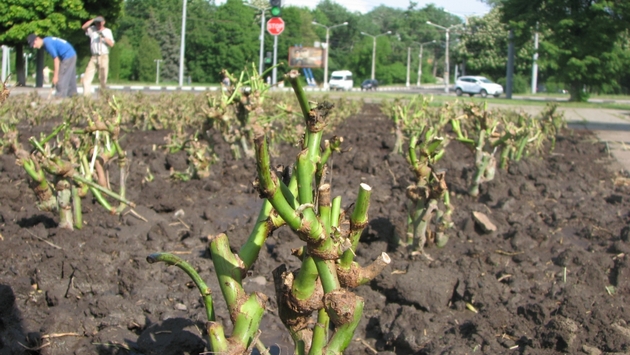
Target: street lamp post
<point>374,48</point>
<point>408,65</point>
<point>157,70</point>
<point>328,28</point>
<point>5,63</point>
<point>420,60</point>
<point>26,58</point>
<point>446,61</point>
<point>182,45</point>
<point>262,34</point>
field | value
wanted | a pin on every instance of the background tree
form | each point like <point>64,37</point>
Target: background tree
<point>482,47</point>
<point>19,18</point>
<point>342,39</point>
<point>121,59</point>
<point>170,41</point>
<point>581,44</point>
<point>298,30</point>
<point>234,38</point>
<point>199,62</point>
<point>145,62</point>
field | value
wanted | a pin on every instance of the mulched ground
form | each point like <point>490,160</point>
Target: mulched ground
<point>554,278</point>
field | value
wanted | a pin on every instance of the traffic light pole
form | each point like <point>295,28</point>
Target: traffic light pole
<point>262,42</point>
<point>274,72</point>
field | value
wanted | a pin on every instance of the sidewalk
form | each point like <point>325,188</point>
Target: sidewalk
<point>610,126</point>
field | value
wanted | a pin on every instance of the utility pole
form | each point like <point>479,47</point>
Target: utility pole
<point>510,66</point>
<point>182,45</point>
<point>374,49</point>
<point>446,55</point>
<point>419,60</point>
<point>26,58</point>
<point>327,48</point>
<point>535,64</point>
<point>5,63</point>
<point>274,71</point>
<point>157,70</point>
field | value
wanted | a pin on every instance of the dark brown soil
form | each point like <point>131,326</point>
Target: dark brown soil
<point>554,277</point>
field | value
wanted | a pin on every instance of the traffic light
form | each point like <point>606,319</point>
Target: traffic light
<point>276,8</point>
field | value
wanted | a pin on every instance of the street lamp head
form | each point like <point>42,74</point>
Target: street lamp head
<point>388,32</point>
<point>345,23</point>
<point>315,23</point>
<point>429,22</point>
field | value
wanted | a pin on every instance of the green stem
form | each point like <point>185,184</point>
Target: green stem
<point>206,293</point>
<point>37,146</point>
<point>331,145</point>
<point>305,171</point>
<point>306,224</point>
<point>290,191</point>
<point>248,319</point>
<point>336,212</point>
<point>358,221</point>
<point>414,217</point>
<point>306,280</point>
<point>344,333</point>
<point>327,274</point>
<point>229,272</point>
<point>52,135</point>
<point>122,164</point>
<point>218,342</point>
<point>320,333</point>
<point>313,146</point>
<point>502,140</point>
<point>412,158</point>
<point>505,152</point>
<point>46,199</point>
<point>325,207</point>
<point>64,197</point>
<point>299,92</point>
<point>479,172</point>
<point>368,273</point>
<point>420,231</point>
<point>262,229</point>
<point>98,187</point>
<point>101,199</point>
<point>76,207</point>
<point>521,148</point>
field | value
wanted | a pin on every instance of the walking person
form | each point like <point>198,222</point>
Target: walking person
<point>65,62</point>
<point>101,40</point>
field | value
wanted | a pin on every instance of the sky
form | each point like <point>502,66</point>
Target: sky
<point>458,7</point>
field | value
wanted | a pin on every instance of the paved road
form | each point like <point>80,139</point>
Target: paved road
<point>610,126</point>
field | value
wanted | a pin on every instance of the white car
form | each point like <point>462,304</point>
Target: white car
<point>481,85</point>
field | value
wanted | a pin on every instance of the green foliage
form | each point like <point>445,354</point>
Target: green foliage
<point>483,47</point>
<point>19,18</point>
<point>520,84</point>
<point>169,40</point>
<point>580,40</point>
<point>121,59</point>
<point>234,39</point>
<point>427,76</point>
<point>145,63</point>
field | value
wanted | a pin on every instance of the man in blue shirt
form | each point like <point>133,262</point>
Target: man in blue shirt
<point>65,60</point>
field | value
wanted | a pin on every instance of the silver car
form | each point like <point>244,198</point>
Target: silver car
<point>481,85</point>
